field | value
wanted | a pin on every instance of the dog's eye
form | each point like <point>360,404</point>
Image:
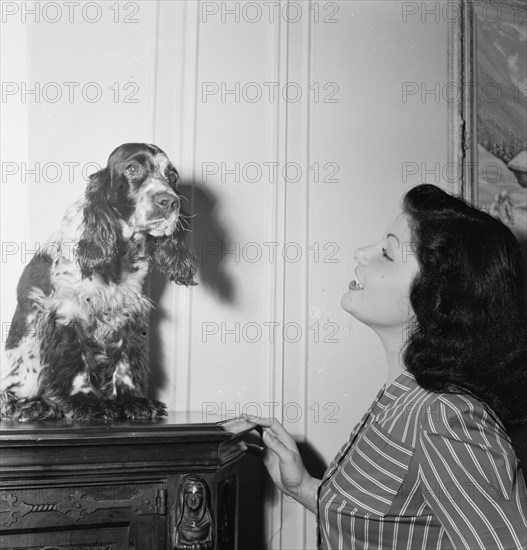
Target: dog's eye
<point>133,170</point>
<point>172,177</point>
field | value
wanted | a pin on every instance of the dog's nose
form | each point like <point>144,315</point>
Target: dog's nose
<point>167,201</point>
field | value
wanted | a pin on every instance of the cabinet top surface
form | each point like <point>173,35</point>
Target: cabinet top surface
<point>184,424</point>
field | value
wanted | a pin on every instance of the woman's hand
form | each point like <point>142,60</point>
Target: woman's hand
<point>284,464</point>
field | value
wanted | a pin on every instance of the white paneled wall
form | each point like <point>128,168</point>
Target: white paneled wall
<point>264,325</point>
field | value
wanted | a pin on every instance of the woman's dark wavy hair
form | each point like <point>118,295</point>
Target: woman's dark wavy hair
<point>470,330</point>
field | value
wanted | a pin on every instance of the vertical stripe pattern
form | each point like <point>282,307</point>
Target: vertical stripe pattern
<point>424,471</point>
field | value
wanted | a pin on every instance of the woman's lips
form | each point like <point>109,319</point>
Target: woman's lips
<point>355,285</point>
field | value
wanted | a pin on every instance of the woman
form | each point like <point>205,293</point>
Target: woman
<point>430,465</point>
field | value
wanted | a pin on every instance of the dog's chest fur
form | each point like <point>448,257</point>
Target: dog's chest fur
<point>103,308</point>
<point>92,300</point>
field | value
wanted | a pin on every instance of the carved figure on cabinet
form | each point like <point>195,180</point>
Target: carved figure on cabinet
<point>191,522</point>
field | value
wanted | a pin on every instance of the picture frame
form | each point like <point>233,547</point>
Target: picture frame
<point>488,108</point>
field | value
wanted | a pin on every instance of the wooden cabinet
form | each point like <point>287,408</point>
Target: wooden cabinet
<point>169,484</point>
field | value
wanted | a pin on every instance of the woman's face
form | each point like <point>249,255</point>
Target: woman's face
<point>385,272</point>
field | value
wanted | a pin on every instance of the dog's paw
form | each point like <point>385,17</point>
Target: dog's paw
<point>31,410</point>
<point>141,408</point>
<point>93,408</point>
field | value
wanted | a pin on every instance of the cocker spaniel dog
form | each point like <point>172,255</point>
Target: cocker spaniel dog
<point>78,341</point>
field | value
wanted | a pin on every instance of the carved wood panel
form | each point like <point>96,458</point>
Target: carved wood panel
<point>77,504</point>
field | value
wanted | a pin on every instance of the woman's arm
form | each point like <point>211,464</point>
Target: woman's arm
<point>469,477</point>
<point>284,464</point>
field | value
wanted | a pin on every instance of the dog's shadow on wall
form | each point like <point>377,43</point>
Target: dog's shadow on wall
<point>209,239</point>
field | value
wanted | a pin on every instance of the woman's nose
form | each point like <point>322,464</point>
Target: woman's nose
<point>363,254</point>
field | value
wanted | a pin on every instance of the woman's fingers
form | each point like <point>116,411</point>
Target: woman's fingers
<point>276,445</point>
<point>260,420</point>
<point>282,434</point>
<point>274,456</point>
<point>276,429</point>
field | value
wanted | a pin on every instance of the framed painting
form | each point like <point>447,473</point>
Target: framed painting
<point>488,108</point>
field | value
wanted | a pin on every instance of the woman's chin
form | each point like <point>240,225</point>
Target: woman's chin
<point>348,302</point>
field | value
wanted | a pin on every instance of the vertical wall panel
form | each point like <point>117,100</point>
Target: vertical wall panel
<point>175,129</point>
<point>294,407</point>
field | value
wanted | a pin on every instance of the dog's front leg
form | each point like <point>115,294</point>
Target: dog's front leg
<point>88,403</point>
<point>69,359</point>
<point>28,409</point>
<point>129,387</point>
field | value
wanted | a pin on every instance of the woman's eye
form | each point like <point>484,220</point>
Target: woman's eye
<point>385,254</point>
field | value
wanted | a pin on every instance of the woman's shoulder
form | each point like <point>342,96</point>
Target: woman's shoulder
<point>429,408</point>
<point>413,412</point>
<point>462,416</point>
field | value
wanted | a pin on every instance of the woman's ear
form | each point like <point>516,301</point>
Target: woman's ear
<point>97,247</point>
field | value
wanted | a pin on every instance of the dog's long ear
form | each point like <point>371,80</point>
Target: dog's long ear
<point>172,256</point>
<point>98,246</point>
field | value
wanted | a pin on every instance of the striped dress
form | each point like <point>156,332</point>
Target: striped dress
<point>423,471</point>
